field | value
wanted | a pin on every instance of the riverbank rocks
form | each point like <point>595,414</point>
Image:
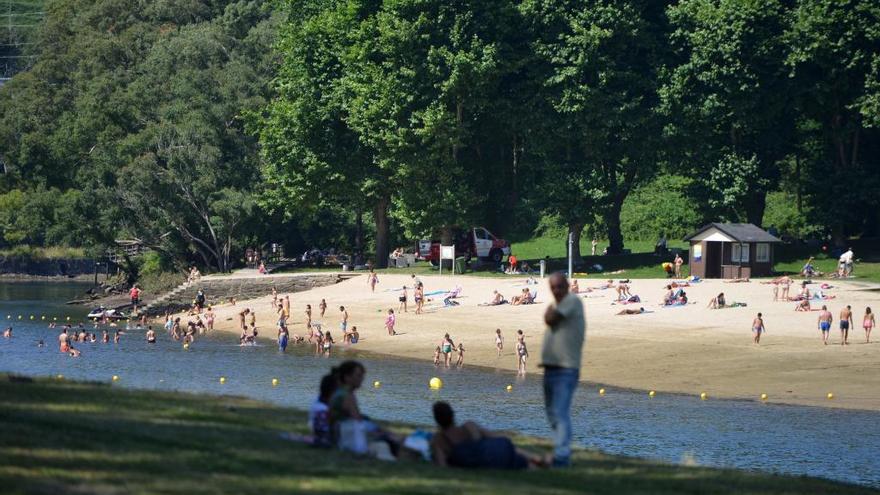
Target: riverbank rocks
<point>219,289</point>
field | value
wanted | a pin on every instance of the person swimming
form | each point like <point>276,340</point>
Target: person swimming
<point>151,335</point>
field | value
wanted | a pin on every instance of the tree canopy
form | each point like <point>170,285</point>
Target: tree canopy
<point>204,127</point>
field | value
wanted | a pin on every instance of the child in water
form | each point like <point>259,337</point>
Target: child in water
<point>327,343</point>
<point>390,321</point>
<point>522,354</point>
<point>499,341</point>
<point>460,361</point>
<point>437,356</point>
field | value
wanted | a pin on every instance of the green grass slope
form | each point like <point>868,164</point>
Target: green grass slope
<point>62,437</point>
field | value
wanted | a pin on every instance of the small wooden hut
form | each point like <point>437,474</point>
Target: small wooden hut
<point>731,250</point>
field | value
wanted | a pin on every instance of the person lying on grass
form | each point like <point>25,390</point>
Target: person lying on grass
<point>470,446</point>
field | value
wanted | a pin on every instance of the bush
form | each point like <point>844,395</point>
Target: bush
<point>152,263</point>
<point>660,206</point>
<point>158,283</point>
<point>782,212</point>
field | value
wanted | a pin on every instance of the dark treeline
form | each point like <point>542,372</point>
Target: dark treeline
<point>202,127</point>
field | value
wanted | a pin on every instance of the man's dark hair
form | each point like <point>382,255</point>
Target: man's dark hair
<point>443,414</point>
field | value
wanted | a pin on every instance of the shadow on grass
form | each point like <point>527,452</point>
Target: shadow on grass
<point>64,437</point>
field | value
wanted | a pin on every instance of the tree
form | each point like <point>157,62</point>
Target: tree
<point>601,61</point>
<point>729,99</point>
<point>833,59</point>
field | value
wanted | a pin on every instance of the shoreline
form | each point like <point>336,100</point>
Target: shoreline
<point>26,277</point>
<point>684,351</point>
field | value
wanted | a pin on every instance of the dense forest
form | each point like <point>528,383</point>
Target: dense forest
<point>201,127</point>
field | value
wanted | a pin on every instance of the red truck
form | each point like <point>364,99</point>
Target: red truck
<point>476,242</point>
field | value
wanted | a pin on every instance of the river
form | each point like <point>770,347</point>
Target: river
<point>832,443</point>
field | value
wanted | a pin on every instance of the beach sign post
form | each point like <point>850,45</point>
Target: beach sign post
<point>447,253</point>
<point>570,261</point>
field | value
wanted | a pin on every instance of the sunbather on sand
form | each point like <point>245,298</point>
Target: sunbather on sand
<point>737,281</point>
<point>717,302</point>
<point>607,285</point>
<point>631,311</point>
<point>623,291</point>
<point>497,299</point>
<point>804,305</point>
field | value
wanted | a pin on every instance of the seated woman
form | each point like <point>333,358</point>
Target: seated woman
<point>717,302</point>
<point>804,305</point>
<point>808,270</point>
<point>353,431</point>
<point>669,297</point>
<point>521,298</point>
<point>470,446</point>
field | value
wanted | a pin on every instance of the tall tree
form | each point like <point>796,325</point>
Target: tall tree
<point>729,99</point>
<point>602,60</point>
<point>834,58</point>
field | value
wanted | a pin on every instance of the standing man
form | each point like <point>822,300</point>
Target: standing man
<point>595,244</point>
<point>343,325</point>
<point>846,263</point>
<point>825,323</point>
<point>678,262</point>
<point>561,360</point>
<point>846,322</point>
<point>135,295</point>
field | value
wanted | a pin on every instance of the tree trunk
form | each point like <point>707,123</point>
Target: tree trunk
<point>575,230</point>
<point>447,239</point>
<point>756,203</point>
<point>612,224</point>
<point>380,214</point>
<point>359,232</point>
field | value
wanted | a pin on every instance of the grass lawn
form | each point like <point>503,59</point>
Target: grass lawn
<point>790,259</point>
<point>63,437</point>
<point>539,247</point>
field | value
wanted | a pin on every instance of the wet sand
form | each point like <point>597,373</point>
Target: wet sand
<point>687,350</point>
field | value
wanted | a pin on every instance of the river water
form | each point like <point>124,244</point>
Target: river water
<point>831,443</point>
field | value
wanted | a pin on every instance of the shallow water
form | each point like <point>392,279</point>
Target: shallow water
<point>836,444</point>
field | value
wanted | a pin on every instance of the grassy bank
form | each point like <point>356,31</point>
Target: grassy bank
<point>65,437</point>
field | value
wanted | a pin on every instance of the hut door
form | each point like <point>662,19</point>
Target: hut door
<point>713,259</point>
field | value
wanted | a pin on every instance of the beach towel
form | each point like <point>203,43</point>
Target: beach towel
<point>677,304</point>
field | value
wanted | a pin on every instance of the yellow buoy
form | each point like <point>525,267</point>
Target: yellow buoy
<point>19,317</point>
<point>274,382</point>
<point>704,396</point>
<point>54,318</point>
<point>186,346</point>
<point>115,378</point>
<point>651,393</point>
<point>68,318</point>
<point>435,383</point>
<point>222,379</point>
<point>763,396</point>
<point>509,388</point>
<point>377,384</point>
<point>42,317</point>
<point>60,377</point>
<point>32,317</point>
<point>830,396</point>
<point>601,391</point>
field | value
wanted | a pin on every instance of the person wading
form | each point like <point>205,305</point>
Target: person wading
<point>561,360</point>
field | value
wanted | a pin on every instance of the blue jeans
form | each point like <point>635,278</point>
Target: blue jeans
<point>559,387</point>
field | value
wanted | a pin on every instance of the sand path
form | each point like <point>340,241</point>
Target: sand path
<point>685,350</point>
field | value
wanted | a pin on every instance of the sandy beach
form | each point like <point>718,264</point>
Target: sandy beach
<point>687,350</point>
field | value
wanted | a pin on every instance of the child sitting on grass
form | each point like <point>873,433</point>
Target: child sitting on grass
<point>319,413</point>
